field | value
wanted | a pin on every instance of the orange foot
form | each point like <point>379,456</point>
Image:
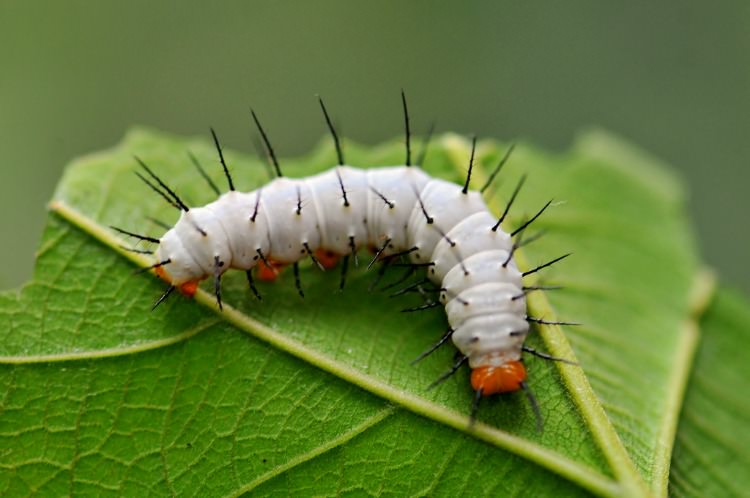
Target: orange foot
<point>188,289</point>
<point>327,258</point>
<point>268,273</point>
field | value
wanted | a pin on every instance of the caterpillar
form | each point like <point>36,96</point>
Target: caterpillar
<point>400,213</point>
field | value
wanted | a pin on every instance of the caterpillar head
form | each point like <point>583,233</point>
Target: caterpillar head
<point>209,253</point>
<point>504,378</point>
<point>181,271</point>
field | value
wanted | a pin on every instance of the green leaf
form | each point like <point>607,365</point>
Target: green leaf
<point>712,451</point>
<point>317,396</point>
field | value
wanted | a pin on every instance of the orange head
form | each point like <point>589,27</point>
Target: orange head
<point>501,379</point>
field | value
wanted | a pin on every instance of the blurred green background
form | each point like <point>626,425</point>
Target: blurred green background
<point>673,77</point>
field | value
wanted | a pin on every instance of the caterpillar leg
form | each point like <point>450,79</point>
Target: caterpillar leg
<point>268,270</point>
<point>327,258</point>
<point>187,289</point>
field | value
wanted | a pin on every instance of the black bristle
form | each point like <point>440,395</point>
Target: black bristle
<point>465,190</point>
<point>203,173</point>
<point>497,169</point>
<point>407,132</point>
<point>267,142</point>
<point>137,236</point>
<point>221,158</point>
<point>510,203</point>
<point>339,152</point>
<point>169,191</point>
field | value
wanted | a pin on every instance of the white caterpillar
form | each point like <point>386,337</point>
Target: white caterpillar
<point>397,210</point>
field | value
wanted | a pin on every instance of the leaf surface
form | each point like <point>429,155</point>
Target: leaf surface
<point>183,400</point>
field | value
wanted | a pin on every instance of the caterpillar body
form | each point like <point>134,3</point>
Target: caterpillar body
<point>396,211</point>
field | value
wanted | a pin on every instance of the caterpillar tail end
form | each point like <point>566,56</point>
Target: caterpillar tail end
<point>505,378</point>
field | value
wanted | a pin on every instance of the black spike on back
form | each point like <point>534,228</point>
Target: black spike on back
<point>497,168</point>
<point>510,203</point>
<point>545,265</point>
<point>176,201</point>
<point>137,236</point>
<point>516,245</point>
<point>388,203</point>
<point>339,152</point>
<point>221,158</point>
<point>269,148</point>
<point>203,173</point>
<point>525,290</point>
<point>257,205</point>
<point>425,145</point>
<point>537,215</point>
<point>465,190</point>
<point>341,185</point>
<point>158,191</point>
<point>428,219</point>
<point>406,128</point>
<point>260,151</point>
<point>541,321</point>
<point>520,242</point>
